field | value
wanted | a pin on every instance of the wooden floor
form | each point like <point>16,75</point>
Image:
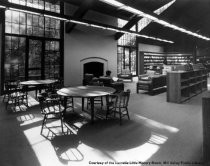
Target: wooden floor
<point>158,132</point>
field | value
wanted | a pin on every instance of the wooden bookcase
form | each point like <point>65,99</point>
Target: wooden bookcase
<point>205,60</point>
<point>153,61</point>
<point>177,59</point>
<point>183,85</point>
<point>206,128</point>
<point>148,59</point>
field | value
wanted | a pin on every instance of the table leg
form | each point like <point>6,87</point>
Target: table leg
<point>92,109</point>
<point>83,100</point>
<point>36,92</point>
<point>65,105</point>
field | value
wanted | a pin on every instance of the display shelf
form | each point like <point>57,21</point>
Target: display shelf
<point>182,86</point>
<point>155,61</point>
<point>152,61</point>
<point>205,59</point>
<point>176,59</point>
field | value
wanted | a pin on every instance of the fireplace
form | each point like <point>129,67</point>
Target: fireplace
<point>95,68</point>
<point>93,65</point>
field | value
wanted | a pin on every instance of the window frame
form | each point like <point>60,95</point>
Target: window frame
<point>42,38</point>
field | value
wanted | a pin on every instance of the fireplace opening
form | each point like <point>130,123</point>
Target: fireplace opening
<point>95,68</point>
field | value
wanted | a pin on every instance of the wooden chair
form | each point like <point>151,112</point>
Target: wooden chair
<point>16,94</point>
<point>52,109</point>
<point>52,93</point>
<point>97,100</point>
<point>8,89</point>
<point>118,104</point>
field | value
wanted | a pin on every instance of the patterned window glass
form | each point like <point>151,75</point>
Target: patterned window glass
<point>14,58</point>
<point>52,59</point>
<point>18,27</point>
<point>126,52</point>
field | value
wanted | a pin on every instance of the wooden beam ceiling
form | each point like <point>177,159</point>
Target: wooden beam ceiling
<point>127,26</point>
<point>80,12</point>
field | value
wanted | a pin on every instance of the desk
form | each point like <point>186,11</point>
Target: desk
<point>37,83</point>
<point>85,92</point>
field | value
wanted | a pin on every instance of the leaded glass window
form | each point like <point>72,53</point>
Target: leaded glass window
<point>32,42</point>
<point>14,63</point>
<point>52,59</point>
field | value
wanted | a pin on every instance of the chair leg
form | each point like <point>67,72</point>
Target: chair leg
<point>87,102</point>
<point>15,103</point>
<point>4,98</point>
<point>83,101</point>
<point>72,101</point>
<point>26,100</point>
<point>43,123</point>
<point>120,116</point>
<point>102,104</point>
<point>61,118</point>
<point>7,103</point>
<point>137,88</point>
<point>127,113</point>
<point>107,112</point>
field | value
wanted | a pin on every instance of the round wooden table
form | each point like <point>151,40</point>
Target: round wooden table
<point>85,92</point>
<point>37,83</point>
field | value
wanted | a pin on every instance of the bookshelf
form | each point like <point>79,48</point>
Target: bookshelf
<point>206,128</point>
<point>203,56</point>
<point>152,60</point>
<point>205,60</point>
<point>177,59</point>
<point>183,85</point>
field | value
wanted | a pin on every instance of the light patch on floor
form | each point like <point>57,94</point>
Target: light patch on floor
<point>48,154</point>
<point>28,119</point>
<point>154,124</point>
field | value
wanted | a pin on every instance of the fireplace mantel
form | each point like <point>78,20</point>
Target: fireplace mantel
<point>92,59</point>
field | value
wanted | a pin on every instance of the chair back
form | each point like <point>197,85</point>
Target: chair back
<point>49,105</point>
<point>105,80</point>
<point>59,84</point>
<point>123,98</point>
<point>97,84</point>
<point>11,86</point>
<point>87,78</point>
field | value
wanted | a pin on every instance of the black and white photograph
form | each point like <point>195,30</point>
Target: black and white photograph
<point>104,82</point>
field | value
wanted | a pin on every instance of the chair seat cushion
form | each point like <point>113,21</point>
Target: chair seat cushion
<point>145,78</point>
<point>145,82</point>
<point>124,75</point>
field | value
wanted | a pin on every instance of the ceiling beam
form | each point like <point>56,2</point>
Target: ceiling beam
<point>80,12</point>
<point>127,26</point>
<point>82,21</point>
<point>173,15</point>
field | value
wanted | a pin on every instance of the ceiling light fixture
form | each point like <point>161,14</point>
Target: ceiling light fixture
<point>78,22</point>
<point>119,30</point>
<point>25,11</point>
<point>169,54</point>
<point>114,3</point>
<point>2,6</point>
<point>55,17</point>
<point>153,18</point>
